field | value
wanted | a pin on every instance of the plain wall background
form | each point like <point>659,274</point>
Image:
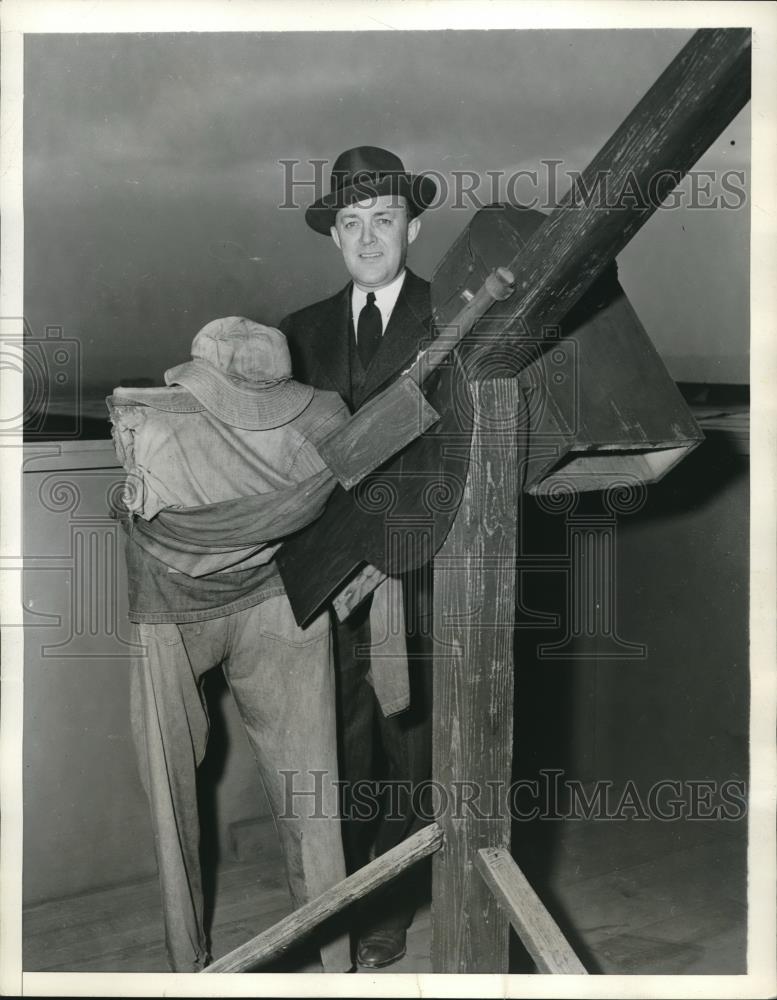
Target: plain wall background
<point>152,176</point>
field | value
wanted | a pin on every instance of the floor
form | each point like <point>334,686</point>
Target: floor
<point>632,897</point>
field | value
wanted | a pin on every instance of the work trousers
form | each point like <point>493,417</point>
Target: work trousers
<point>282,680</point>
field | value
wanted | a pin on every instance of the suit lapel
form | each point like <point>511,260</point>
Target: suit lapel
<point>401,339</point>
<point>333,359</point>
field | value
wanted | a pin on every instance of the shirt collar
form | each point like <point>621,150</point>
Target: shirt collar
<point>385,299</point>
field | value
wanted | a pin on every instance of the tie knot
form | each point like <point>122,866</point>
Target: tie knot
<point>370,298</point>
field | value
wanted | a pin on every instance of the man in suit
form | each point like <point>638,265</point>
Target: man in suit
<point>356,342</point>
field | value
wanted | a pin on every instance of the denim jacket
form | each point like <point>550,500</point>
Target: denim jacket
<point>182,460</point>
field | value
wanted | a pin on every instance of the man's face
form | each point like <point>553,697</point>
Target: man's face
<point>373,237</point>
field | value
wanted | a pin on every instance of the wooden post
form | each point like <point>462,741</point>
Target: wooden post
<point>474,614</point>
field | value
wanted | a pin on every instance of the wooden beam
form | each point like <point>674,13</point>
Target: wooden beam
<point>681,115</point>
<point>474,614</point>
<point>287,932</point>
<point>538,931</point>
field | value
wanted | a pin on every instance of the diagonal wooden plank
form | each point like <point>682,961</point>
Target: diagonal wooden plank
<point>287,932</point>
<point>538,931</point>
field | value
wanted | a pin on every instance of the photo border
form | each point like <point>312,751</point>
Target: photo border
<point>76,16</point>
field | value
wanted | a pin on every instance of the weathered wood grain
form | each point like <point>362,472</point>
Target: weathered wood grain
<point>498,286</point>
<point>538,931</point>
<point>289,931</point>
<point>474,609</point>
<point>380,429</point>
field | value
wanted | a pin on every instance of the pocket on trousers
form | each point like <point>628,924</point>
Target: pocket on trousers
<point>278,622</point>
<point>165,632</point>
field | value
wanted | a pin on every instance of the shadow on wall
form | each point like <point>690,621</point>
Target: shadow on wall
<point>681,711</point>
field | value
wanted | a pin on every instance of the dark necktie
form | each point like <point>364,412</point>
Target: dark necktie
<point>368,331</point>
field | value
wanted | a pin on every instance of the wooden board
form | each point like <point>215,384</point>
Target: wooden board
<point>380,429</point>
<point>537,930</point>
<point>292,929</point>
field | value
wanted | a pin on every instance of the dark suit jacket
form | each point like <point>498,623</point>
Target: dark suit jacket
<point>397,517</point>
<point>320,338</point>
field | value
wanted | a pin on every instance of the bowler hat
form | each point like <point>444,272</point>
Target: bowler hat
<point>368,172</point>
<point>241,373</point>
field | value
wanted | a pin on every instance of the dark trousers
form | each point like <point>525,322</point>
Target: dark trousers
<point>396,751</point>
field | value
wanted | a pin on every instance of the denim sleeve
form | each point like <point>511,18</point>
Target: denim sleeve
<point>327,413</point>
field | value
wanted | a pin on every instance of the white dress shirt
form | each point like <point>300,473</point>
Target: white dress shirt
<point>385,300</point>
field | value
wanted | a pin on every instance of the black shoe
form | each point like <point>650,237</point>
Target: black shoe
<point>381,947</point>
